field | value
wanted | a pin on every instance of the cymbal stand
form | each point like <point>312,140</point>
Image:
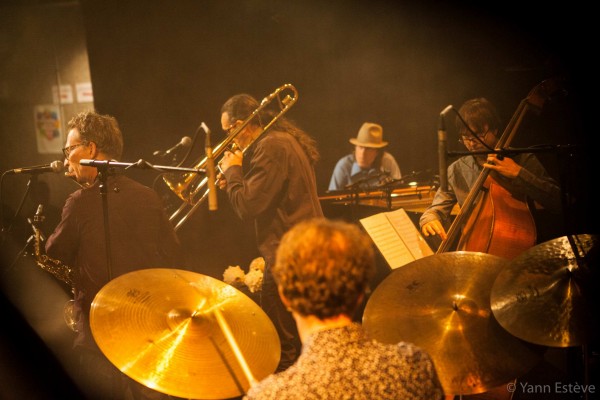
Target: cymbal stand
<point>586,370</point>
<point>236,350</point>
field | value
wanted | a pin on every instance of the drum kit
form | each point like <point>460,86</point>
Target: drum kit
<point>483,319</point>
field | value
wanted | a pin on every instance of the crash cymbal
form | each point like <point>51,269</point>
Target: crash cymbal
<point>441,303</point>
<point>544,295</point>
<point>168,329</point>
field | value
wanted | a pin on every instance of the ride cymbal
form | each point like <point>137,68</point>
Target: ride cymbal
<point>183,333</point>
<point>441,303</point>
<point>544,295</point>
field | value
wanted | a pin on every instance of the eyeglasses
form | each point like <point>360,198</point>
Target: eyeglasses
<point>471,139</point>
<point>67,150</point>
<point>230,129</point>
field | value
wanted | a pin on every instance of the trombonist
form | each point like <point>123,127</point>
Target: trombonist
<point>271,183</point>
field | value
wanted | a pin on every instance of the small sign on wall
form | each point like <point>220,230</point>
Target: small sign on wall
<point>65,93</point>
<point>48,131</point>
<point>84,92</point>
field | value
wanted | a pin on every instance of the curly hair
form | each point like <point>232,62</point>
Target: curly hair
<point>241,106</point>
<point>101,129</point>
<point>478,113</point>
<point>324,266</point>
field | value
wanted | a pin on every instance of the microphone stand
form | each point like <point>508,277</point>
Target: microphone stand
<point>362,186</point>
<point>31,238</point>
<point>32,180</point>
<point>103,176</point>
<point>356,188</point>
<point>513,151</point>
<point>20,254</point>
<point>142,164</point>
<point>103,167</point>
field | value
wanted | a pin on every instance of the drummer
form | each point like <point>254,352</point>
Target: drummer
<point>322,271</point>
<point>369,165</point>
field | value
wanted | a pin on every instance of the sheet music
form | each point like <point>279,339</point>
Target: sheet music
<point>396,237</point>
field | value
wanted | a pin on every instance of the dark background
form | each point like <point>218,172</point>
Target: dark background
<point>163,67</point>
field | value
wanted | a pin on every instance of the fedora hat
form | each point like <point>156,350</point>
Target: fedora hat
<point>369,135</point>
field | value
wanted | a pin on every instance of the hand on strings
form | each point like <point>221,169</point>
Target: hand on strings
<point>503,165</point>
<point>433,228</point>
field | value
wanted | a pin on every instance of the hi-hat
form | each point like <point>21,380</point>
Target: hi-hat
<point>441,303</point>
<point>183,333</point>
<point>544,295</point>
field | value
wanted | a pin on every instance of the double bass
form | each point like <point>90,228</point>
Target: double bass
<point>492,220</point>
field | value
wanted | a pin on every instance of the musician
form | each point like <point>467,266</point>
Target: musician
<point>141,236</point>
<point>521,174</point>
<point>322,270</point>
<point>369,165</point>
<point>273,184</point>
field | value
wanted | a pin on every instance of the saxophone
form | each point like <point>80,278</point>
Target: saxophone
<point>56,268</point>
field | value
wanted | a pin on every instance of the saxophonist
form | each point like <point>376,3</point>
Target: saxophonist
<point>141,236</point>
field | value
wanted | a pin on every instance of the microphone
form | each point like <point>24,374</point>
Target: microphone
<point>443,149</point>
<point>54,166</point>
<point>210,167</point>
<point>185,141</point>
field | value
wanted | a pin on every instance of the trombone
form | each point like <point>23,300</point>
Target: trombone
<point>192,188</point>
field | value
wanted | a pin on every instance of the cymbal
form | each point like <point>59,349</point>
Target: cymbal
<point>441,303</point>
<point>168,330</point>
<point>544,295</point>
